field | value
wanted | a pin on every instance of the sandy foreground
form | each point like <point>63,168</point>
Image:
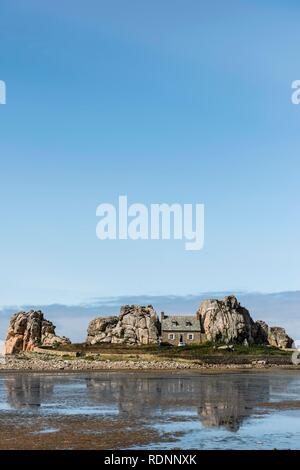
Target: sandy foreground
<point>25,425</point>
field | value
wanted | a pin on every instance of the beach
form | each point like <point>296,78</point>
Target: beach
<point>186,409</point>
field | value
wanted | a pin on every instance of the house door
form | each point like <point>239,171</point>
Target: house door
<point>181,339</point>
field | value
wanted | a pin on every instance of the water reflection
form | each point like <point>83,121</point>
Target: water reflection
<point>223,400</point>
<point>228,402</point>
<point>27,391</point>
<point>219,400</point>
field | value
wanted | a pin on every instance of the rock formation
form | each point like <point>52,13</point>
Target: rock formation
<point>222,321</point>
<point>227,321</point>
<point>279,338</point>
<point>260,332</point>
<point>135,325</point>
<point>100,330</point>
<point>28,330</point>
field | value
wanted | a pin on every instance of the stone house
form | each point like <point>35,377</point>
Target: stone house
<point>181,329</point>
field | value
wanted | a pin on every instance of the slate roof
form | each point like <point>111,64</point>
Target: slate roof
<point>180,323</point>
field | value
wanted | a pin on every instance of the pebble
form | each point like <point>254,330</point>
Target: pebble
<point>41,362</point>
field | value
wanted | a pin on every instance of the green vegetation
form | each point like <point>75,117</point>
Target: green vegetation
<point>194,351</point>
<point>206,353</point>
<point>68,357</point>
<point>209,349</point>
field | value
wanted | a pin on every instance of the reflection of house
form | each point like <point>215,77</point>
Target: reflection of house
<point>177,329</point>
<point>218,400</point>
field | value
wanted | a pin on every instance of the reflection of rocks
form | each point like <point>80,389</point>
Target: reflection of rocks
<point>133,395</point>
<point>28,391</point>
<point>223,400</point>
<point>220,401</point>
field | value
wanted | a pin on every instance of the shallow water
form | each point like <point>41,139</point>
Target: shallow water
<point>186,410</point>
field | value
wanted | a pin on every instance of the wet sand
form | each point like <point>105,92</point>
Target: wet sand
<point>73,433</point>
<point>163,410</point>
<point>282,405</point>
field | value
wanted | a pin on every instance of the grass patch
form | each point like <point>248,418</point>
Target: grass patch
<point>193,352</point>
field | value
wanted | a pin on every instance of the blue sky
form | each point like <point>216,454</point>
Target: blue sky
<point>164,101</point>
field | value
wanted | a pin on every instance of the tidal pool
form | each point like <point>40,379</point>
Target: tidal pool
<point>149,410</point>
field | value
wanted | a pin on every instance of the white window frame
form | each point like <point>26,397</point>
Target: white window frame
<point>190,336</point>
<point>172,336</point>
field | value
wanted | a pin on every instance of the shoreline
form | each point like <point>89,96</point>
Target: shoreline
<point>218,370</point>
<point>38,363</point>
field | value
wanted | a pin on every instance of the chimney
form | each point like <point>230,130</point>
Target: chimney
<point>162,316</point>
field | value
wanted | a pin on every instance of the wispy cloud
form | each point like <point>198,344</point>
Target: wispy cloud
<point>282,309</point>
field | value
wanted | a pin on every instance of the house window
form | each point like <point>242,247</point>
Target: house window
<point>171,336</point>
<point>190,336</point>
<point>188,323</point>
<point>174,323</point>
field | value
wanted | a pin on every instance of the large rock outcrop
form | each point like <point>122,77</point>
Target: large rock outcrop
<point>222,321</point>
<point>271,335</point>
<point>279,338</point>
<point>28,330</point>
<point>100,330</point>
<point>135,325</point>
<point>260,332</point>
<point>227,321</point>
